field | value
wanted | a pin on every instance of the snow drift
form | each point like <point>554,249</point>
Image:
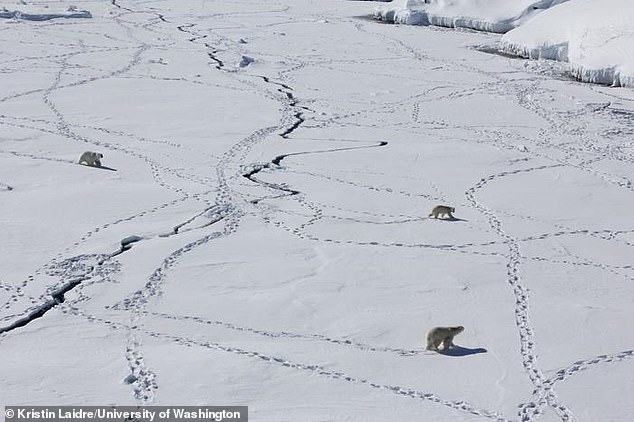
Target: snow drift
<point>597,40</point>
<point>30,13</point>
<point>484,15</point>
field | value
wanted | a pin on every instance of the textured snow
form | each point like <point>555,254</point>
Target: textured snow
<point>595,38</point>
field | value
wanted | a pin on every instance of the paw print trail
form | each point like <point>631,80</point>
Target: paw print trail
<point>582,365</point>
<point>141,378</point>
<point>286,334</point>
<point>144,380</point>
<point>65,129</point>
<point>71,273</point>
<point>528,411</point>
<point>460,406</point>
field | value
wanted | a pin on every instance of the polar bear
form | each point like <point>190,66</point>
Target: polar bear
<point>91,158</point>
<point>441,210</point>
<point>442,335</point>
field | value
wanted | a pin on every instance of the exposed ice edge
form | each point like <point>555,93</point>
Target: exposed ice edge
<point>16,14</point>
<point>408,16</point>
<point>56,297</point>
<point>416,17</point>
<point>420,17</point>
<point>609,75</point>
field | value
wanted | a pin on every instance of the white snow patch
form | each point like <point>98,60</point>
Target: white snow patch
<point>596,38</point>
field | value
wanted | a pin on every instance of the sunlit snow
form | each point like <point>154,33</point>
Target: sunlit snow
<point>257,233</point>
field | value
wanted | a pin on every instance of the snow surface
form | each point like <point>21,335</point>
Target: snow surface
<point>258,235</point>
<point>596,38</point>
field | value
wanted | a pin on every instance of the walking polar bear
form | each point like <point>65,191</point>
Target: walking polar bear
<point>443,335</point>
<point>92,159</point>
<point>441,210</point>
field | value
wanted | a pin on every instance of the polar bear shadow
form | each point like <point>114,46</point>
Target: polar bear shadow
<point>451,219</point>
<point>458,351</point>
<point>100,167</point>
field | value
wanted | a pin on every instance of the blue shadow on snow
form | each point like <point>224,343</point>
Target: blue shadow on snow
<point>458,351</point>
